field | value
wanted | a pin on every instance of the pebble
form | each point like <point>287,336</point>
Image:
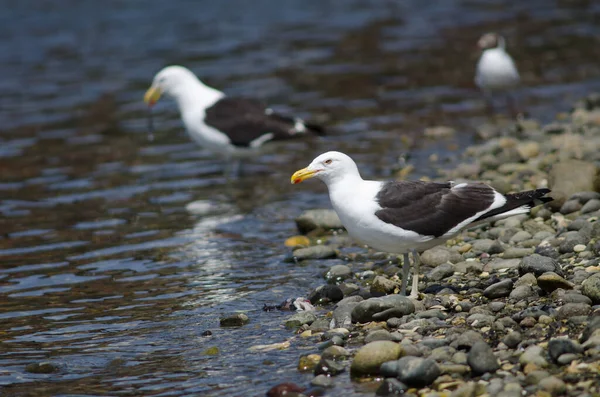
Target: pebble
<point>391,387</point>
<point>538,265</point>
<point>560,346</point>
<point>322,381</point>
<point>466,340</point>
<point>499,289</point>
<point>336,353</point>
<point>329,367</point>
<point>441,272</point>
<point>553,385</point>
<point>533,355</point>
<point>439,255</point>
<point>325,294</point>
<point>481,359</point>
<point>579,248</point>
<point>591,288</point>
<point>41,368</point>
<point>512,339</point>
<point>383,285</point>
<point>549,281</point>
<point>235,320</point>
<point>318,219</point>
<point>378,334</point>
<point>569,310</point>
<point>308,362</point>
<point>381,309</point>
<point>338,273</point>
<point>314,252</point>
<point>522,292</point>
<point>415,371</point>
<point>300,319</point>
<point>368,358</point>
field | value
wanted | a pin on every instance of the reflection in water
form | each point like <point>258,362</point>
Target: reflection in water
<point>118,253</point>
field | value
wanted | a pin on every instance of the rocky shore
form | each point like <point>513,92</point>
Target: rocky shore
<point>508,309</point>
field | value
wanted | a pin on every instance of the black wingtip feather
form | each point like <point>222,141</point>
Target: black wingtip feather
<point>316,128</point>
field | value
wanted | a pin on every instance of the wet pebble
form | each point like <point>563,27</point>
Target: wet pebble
<point>553,385</point>
<point>336,353</point>
<point>41,368</point>
<point>300,319</point>
<point>324,294</point>
<point>234,320</point>
<point>417,371</point>
<point>338,273</point>
<point>284,389</point>
<point>324,219</point>
<point>329,367</point>
<point>569,310</point>
<point>512,339</point>
<point>315,252</point>
<point>522,292</point>
<point>439,255</point>
<point>308,362</point>
<point>322,381</point>
<point>391,387</point>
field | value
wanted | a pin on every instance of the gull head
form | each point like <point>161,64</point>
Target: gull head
<point>490,40</point>
<point>171,81</point>
<point>328,167</point>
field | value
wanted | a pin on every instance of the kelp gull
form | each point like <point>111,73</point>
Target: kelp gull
<point>496,71</point>
<point>410,216</point>
<point>232,127</point>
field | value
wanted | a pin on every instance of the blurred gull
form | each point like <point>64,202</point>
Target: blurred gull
<point>234,128</point>
<point>496,71</point>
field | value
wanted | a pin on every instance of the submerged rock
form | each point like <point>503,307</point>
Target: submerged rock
<point>235,320</point>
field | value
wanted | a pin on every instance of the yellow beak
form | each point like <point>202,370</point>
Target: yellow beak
<point>152,95</point>
<point>302,175</point>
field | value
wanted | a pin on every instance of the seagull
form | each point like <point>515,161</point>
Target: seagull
<point>232,127</point>
<point>496,70</point>
<point>410,216</point>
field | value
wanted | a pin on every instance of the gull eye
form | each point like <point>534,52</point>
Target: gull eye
<point>327,162</point>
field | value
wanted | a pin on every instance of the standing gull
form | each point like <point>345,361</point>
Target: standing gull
<point>496,70</point>
<point>234,128</point>
<point>403,216</point>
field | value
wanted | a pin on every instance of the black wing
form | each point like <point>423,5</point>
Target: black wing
<point>431,209</point>
<point>244,121</point>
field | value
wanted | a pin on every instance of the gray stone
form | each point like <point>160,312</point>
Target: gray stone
<point>591,206</point>
<point>522,292</point>
<point>417,371</point>
<point>467,339</point>
<point>553,385</point>
<point>512,339</point>
<point>322,381</point>
<point>369,358</point>
<point>481,359</point>
<point>538,265</point>
<point>569,310</point>
<point>439,255</point>
<point>342,314</point>
<point>391,387</point>
<point>533,355</point>
<point>235,320</point>
<point>318,219</point>
<point>338,273</point>
<point>499,264</point>
<point>591,288</point>
<point>534,377</point>
<point>499,289</point>
<point>571,240</point>
<point>570,206</point>
<point>468,267</point>
<point>549,281</point>
<point>520,236</point>
<point>526,279</point>
<point>567,358</point>
<point>482,245</point>
<point>335,352</point>
<point>300,319</point>
<point>315,252</point>
<point>324,294</point>
<point>496,306</point>
<point>329,367</point>
<point>547,250</point>
<point>383,285</point>
<point>382,308</point>
<point>441,354</point>
<point>441,272</point>
<point>560,346</point>
<point>378,334</point>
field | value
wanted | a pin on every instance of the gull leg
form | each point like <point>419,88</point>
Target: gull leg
<point>405,268</point>
<point>414,293</point>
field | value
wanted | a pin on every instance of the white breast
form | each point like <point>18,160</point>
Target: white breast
<point>496,70</point>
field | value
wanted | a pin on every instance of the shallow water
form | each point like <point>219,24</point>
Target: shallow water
<point>117,253</point>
